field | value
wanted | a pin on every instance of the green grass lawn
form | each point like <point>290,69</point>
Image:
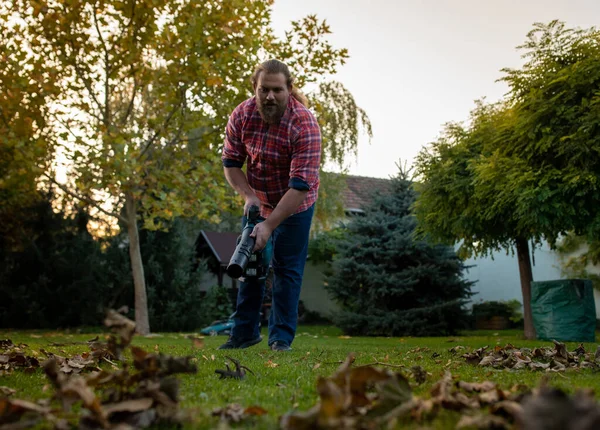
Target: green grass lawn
<point>285,381</point>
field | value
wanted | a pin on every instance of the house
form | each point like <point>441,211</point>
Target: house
<point>496,277</point>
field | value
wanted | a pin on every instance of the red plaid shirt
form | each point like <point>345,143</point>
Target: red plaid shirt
<point>280,156</point>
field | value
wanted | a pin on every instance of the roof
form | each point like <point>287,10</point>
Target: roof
<point>361,190</point>
<point>222,244</point>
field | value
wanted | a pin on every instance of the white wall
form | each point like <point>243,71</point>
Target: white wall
<point>498,277</point>
<point>313,293</point>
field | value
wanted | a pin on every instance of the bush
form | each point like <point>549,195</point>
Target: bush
<point>509,309</point>
<point>56,278</point>
<point>216,305</point>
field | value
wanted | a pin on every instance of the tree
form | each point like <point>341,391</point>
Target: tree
<point>390,284</point>
<point>143,93</point>
<point>462,202</point>
<point>525,168</point>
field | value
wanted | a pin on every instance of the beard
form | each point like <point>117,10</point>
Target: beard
<point>271,112</point>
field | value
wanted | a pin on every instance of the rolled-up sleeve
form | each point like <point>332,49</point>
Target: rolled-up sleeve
<point>234,153</point>
<point>306,155</point>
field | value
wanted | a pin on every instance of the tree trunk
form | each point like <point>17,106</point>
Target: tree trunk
<point>526,275</point>
<point>142,324</point>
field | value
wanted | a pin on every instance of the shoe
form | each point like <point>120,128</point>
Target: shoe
<point>233,343</point>
<point>280,346</point>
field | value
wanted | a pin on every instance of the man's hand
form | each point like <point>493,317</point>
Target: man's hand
<point>251,201</point>
<point>261,234</point>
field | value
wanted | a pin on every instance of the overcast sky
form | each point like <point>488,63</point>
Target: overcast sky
<point>415,65</point>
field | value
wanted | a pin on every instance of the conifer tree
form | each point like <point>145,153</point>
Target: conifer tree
<point>390,284</point>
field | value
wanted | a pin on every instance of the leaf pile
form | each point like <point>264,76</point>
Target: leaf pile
<point>125,398</point>
<point>546,358</point>
<point>345,399</point>
<point>366,397</point>
<point>13,356</point>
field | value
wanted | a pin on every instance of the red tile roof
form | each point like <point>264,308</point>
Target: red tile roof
<point>361,190</point>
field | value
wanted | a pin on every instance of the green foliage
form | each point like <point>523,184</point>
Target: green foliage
<point>25,150</point>
<point>57,279</point>
<point>216,305</point>
<point>527,166</point>
<point>556,121</point>
<point>459,200</point>
<point>173,278</point>
<point>324,246</point>
<point>341,121</point>
<point>387,282</point>
<point>579,258</point>
<point>510,309</point>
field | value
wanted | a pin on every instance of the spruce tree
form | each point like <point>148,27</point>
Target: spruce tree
<point>388,282</point>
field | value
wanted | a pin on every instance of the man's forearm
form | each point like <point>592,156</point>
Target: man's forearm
<point>287,206</point>
<point>239,182</point>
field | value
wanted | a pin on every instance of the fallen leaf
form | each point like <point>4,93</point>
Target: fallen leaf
<point>482,422</point>
<point>5,391</point>
<point>255,410</point>
<point>198,342</point>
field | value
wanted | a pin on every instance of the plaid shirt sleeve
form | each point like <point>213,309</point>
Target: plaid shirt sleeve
<point>306,154</point>
<point>234,152</point>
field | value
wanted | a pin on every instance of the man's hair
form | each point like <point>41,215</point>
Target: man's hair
<point>274,67</point>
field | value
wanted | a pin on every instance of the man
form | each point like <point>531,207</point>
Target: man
<point>280,140</point>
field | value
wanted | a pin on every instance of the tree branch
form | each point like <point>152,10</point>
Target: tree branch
<point>127,26</point>
<point>86,83</point>
<point>86,200</point>
<point>131,102</point>
<point>157,133</point>
<point>107,70</point>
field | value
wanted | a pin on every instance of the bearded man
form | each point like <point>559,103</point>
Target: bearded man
<point>279,139</point>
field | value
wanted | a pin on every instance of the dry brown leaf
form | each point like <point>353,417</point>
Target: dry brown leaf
<point>255,410</point>
<point>491,397</point>
<point>5,391</point>
<point>236,413</point>
<point>488,360</point>
<point>271,364</point>
<point>483,422</point>
<point>477,387</point>
<point>197,342</point>
<point>508,408</point>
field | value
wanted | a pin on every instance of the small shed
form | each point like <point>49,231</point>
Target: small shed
<point>217,248</point>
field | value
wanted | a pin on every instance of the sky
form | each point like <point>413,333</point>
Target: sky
<point>416,65</point>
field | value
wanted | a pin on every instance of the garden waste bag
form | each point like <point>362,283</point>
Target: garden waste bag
<point>564,310</point>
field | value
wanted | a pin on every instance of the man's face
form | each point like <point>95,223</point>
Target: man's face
<point>272,95</point>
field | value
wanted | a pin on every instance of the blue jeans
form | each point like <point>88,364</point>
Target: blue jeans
<point>290,249</point>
